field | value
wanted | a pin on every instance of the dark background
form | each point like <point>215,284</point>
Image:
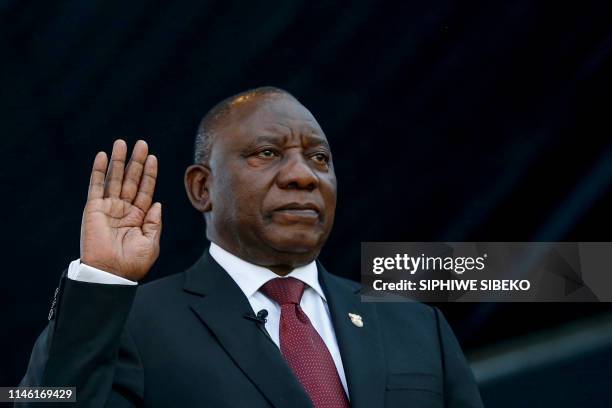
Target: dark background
<point>448,120</point>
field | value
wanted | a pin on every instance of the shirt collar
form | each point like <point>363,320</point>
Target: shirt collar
<point>250,277</point>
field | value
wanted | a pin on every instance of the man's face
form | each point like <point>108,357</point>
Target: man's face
<point>273,187</point>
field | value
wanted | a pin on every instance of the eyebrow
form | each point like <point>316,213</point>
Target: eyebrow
<point>312,140</point>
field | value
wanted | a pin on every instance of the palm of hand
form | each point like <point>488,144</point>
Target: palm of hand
<point>120,229</point>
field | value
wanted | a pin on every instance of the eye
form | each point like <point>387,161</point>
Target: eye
<point>266,154</point>
<point>320,158</point>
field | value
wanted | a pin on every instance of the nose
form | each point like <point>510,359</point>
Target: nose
<point>295,173</point>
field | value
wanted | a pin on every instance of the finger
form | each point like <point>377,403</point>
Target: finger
<point>151,228</point>
<point>133,172</point>
<point>96,180</point>
<point>114,175</point>
<point>146,188</point>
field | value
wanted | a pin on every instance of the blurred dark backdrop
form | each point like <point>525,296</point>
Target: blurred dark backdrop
<point>449,120</point>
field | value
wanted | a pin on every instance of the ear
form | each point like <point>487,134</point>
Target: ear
<point>197,180</point>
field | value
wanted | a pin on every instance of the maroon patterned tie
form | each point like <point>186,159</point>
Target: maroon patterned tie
<point>303,348</point>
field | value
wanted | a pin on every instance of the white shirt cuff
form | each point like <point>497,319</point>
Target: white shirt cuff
<point>80,272</point>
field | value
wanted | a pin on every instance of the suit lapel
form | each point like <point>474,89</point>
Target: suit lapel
<point>360,347</point>
<point>222,307</point>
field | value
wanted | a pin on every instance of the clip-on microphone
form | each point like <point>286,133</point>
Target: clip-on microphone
<point>260,317</point>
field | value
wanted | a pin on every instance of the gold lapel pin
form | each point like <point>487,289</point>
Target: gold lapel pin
<point>356,319</point>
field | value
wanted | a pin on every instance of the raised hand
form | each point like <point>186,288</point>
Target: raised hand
<point>120,229</point>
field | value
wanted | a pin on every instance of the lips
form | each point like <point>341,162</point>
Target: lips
<point>299,207</point>
<point>296,212</point>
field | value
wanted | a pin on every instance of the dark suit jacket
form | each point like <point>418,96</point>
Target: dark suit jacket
<point>183,341</point>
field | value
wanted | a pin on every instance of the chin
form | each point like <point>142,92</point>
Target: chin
<point>296,242</point>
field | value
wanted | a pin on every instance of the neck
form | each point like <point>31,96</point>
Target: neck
<point>280,267</point>
<point>280,270</point>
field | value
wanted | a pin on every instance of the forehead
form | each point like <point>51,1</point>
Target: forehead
<point>271,113</point>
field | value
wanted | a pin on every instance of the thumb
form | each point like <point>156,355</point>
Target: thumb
<point>151,227</point>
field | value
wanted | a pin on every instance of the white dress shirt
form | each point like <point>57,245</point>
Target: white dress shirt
<point>250,278</point>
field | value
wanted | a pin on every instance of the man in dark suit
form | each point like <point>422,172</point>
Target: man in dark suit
<point>256,321</point>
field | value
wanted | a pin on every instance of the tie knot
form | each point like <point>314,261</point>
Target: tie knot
<point>284,290</point>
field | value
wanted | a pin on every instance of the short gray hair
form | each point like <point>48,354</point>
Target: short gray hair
<point>212,119</point>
